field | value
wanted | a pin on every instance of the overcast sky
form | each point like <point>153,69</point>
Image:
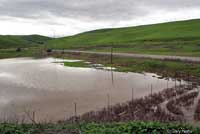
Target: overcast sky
<point>68,17</point>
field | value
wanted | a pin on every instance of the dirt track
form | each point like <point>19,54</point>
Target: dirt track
<point>148,56</point>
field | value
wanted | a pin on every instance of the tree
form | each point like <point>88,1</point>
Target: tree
<point>18,49</point>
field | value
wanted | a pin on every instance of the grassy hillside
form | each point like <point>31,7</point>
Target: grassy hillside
<point>36,38</point>
<point>13,41</point>
<point>177,38</point>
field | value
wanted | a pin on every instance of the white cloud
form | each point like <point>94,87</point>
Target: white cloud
<point>67,17</point>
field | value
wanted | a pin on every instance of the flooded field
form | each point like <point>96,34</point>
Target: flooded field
<point>50,89</point>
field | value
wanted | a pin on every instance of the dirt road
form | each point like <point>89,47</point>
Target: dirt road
<point>148,56</point>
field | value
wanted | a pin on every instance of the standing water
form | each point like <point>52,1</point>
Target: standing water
<point>51,89</point>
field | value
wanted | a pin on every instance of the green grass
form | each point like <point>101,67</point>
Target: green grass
<point>11,53</point>
<point>141,65</point>
<point>98,128</point>
<point>125,64</point>
<point>134,128</point>
<point>189,50</point>
<point>77,64</point>
<point>38,39</point>
<point>15,41</point>
<point>174,38</point>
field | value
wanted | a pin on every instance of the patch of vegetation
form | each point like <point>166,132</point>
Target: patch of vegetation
<point>98,128</point>
<point>13,53</point>
<point>135,128</point>
<point>9,128</point>
<point>77,64</point>
<point>173,38</point>
<point>150,65</point>
<point>124,64</point>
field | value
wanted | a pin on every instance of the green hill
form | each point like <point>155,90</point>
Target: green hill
<point>14,41</point>
<point>177,38</point>
<point>38,39</point>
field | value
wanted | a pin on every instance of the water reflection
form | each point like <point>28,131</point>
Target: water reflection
<point>50,89</point>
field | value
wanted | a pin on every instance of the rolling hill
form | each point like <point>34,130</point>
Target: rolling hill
<point>14,41</point>
<point>177,38</point>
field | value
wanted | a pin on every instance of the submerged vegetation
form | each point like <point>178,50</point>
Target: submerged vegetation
<point>135,116</point>
<point>149,108</point>
<point>197,112</point>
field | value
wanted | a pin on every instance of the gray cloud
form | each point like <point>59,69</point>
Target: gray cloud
<point>67,17</point>
<point>95,10</point>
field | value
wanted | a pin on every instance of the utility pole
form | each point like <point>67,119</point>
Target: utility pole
<point>112,76</point>
<point>151,94</point>
<point>108,99</point>
<point>132,94</point>
<point>175,79</point>
<point>75,111</point>
<point>111,55</point>
<point>34,115</point>
<point>167,83</point>
<point>76,118</point>
<point>180,80</point>
<point>188,78</point>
